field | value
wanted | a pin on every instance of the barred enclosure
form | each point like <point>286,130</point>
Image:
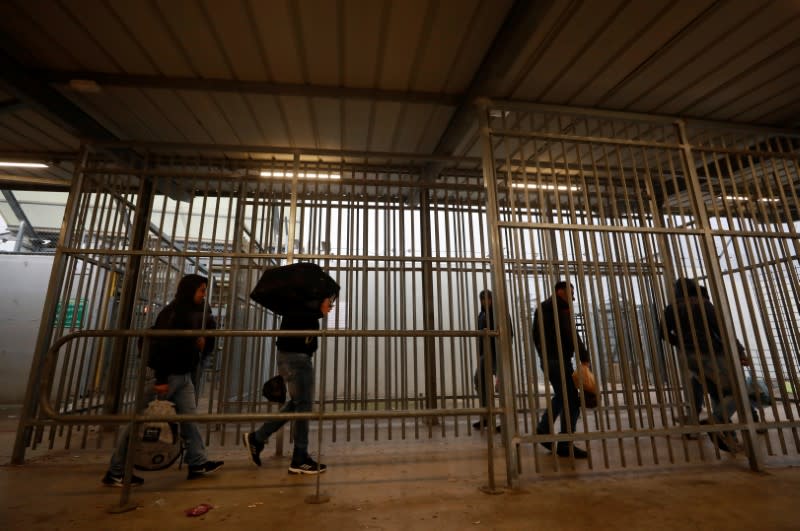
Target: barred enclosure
<point>620,206</point>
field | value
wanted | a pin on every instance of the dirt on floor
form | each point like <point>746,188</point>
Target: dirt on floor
<point>420,485</point>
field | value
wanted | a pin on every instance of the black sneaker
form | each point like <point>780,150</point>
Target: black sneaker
<point>726,441</point>
<point>198,471</point>
<point>116,481</point>
<point>563,451</point>
<point>253,447</point>
<point>306,466</point>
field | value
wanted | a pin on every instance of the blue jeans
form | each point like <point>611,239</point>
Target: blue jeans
<point>721,410</point>
<point>298,371</point>
<point>561,400</point>
<point>181,393</point>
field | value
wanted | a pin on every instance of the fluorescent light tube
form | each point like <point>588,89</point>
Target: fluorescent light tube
<point>535,186</point>
<point>10,164</point>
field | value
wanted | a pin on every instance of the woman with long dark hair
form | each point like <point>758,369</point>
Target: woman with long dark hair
<point>174,361</point>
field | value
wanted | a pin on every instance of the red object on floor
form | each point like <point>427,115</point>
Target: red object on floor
<point>201,509</point>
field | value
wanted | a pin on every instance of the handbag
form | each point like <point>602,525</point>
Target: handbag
<point>274,389</point>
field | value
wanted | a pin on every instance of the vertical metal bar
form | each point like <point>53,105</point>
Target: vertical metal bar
<point>30,405</point>
<point>128,293</point>
<point>715,275</point>
<point>427,303</point>
<point>498,282</point>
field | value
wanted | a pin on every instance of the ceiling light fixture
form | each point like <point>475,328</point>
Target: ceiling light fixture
<point>306,175</point>
<point>737,198</point>
<point>535,186</point>
<point>11,164</point>
<point>770,200</point>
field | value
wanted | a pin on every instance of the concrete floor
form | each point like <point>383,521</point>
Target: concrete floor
<point>407,484</point>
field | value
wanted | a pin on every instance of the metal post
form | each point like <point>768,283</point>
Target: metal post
<point>501,311</point>
<point>127,299</point>
<point>20,236</point>
<point>428,303</point>
<point>31,403</point>
<point>715,276</point>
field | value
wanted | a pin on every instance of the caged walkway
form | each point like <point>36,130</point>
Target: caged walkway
<point>421,483</point>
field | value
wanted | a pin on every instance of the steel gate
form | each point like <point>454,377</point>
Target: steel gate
<point>620,206</point>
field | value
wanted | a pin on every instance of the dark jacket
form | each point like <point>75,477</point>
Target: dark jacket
<point>180,355</point>
<point>304,319</point>
<point>545,317</point>
<point>685,316</point>
<point>683,326</point>
<point>486,320</point>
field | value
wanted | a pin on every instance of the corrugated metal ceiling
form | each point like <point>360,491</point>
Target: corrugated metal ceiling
<point>378,75</point>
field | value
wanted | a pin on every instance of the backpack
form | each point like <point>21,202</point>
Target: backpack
<point>159,444</point>
<point>292,288</point>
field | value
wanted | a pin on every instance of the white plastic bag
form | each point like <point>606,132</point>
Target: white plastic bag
<point>159,444</point>
<point>158,431</point>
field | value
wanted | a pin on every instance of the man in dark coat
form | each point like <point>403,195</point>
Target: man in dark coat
<point>486,321</point>
<point>553,331</point>
<point>691,325</point>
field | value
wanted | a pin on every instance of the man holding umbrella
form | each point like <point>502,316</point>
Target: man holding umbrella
<point>303,294</point>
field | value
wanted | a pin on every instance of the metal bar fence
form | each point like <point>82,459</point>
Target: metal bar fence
<point>620,206</point>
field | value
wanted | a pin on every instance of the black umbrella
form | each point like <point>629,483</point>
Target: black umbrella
<point>295,287</point>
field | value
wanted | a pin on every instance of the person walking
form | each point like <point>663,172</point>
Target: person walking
<point>173,361</point>
<point>690,324</point>
<point>557,342</point>
<point>295,364</point>
<point>486,389</point>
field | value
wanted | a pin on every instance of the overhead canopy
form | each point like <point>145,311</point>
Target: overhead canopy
<point>376,76</point>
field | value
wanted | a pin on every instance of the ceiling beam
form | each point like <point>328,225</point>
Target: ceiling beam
<point>16,208</point>
<point>520,23</point>
<point>28,182</point>
<point>47,157</point>
<point>10,105</point>
<point>39,95</point>
<point>247,87</point>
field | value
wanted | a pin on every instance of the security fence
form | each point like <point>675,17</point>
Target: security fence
<point>619,206</point>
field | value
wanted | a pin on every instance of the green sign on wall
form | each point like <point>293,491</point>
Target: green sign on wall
<point>73,317</point>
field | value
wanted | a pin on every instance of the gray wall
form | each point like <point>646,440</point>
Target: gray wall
<point>23,287</point>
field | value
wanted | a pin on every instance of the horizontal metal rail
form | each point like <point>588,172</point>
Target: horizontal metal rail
<point>51,359</point>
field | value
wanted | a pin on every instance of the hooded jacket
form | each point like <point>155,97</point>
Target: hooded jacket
<point>180,355</point>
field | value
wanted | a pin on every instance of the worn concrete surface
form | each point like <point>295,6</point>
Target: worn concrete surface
<point>411,484</point>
